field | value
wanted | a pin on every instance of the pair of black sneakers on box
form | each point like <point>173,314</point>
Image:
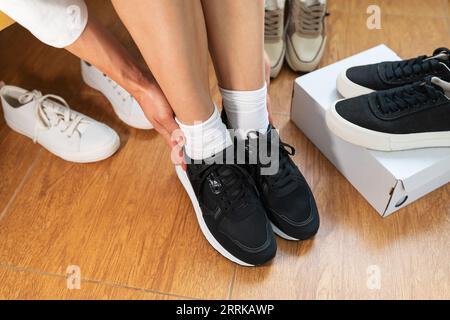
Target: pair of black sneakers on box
<point>395,105</point>
<point>240,202</point>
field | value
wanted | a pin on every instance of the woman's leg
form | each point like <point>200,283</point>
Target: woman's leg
<point>236,42</point>
<point>98,46</point>
<point>171,35</point>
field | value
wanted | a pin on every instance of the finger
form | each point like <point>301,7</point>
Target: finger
<point>173,129</point>
<point>174,143</point>
<point>166,136</point>
<point>269,109</point>
<point>169,124</point>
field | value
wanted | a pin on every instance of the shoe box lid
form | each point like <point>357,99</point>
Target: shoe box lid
<point>388,180</point>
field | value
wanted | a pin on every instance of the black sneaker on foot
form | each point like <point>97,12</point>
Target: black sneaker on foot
<point>229,211</point>
<point>286,195</point>
<point>410,117</point>
<point>362,80</point>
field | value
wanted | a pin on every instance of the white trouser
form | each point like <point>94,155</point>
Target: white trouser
<point>57,23</point>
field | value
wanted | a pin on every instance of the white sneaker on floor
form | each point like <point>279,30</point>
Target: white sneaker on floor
<point>306,38</point>
<point>48,120</point>
<point>274,42</point>
<point>126,107</point>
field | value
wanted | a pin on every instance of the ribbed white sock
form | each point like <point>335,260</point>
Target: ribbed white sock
<point>246,110</point>
<point>206,139</point>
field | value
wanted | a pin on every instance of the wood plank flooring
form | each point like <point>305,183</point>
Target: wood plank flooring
<point>129,225</point>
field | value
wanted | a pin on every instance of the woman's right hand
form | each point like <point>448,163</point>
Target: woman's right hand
<point>158,111</point>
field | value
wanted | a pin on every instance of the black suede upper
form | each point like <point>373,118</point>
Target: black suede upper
<point>232,211</point>
<point>367,76</point>
<point>417,108</point>
<point>286,195</point>
<point>388,75</point>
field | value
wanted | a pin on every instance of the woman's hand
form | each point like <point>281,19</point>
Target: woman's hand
<point>158,111</point>
<point>267,74</point>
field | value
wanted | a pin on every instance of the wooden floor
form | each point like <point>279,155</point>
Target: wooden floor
<point>129,225</point>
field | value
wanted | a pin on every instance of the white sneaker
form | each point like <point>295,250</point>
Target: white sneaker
<point>49,121</point>
<point>306,38</point>
<point>126,107</point>
<point>274,43</point>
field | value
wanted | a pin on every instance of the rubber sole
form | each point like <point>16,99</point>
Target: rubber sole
<point>349,89</point>
<point>275,71</point>
<point>203,227</point>
<point>302,66</point>
<point>87,157</point>
<point>380,141</point>
<point>283,235</point>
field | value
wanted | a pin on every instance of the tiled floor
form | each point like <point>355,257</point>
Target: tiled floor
<point>129,225</point>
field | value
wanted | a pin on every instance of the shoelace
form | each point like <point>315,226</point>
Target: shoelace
<point>52,115</point>
<point>286,179</point>
<point>232,176</point>
<point>308,19</point>
<point>419,66</point>
<point>407,97</point>
<point>273,23</point>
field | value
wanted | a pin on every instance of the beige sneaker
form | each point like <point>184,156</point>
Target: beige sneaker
<point>306,38</point>
<point>274,43</point>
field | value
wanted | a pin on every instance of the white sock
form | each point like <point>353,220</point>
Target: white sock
<point>246,110</point>
<point>206,139</point>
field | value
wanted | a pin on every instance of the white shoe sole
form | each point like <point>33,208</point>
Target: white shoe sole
<point>198,212</point>
<point>302,66</point>
<point>85,157</point>
<point>375,140</point>
<point>281,234</point>
<point>275,70</point>
<point>91,83</point>
<point>349,89</point>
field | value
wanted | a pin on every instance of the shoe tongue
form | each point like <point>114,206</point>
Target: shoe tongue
<point>274,4</point>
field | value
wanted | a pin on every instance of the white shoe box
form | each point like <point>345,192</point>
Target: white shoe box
<point>389,181</point>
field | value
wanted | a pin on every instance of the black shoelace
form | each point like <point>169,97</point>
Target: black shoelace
<point>286,179</point>
<point>233,179</point>
<point>286,176</point>
<point>409,69</point>
<point>411,96</point>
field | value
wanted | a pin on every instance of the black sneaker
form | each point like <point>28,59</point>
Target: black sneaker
<point>410,117</point>
<point>362,80</point>
<point>229,211</point>
<point>286,195</point>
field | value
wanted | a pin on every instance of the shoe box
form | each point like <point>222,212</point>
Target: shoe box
<point>389,181</point>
